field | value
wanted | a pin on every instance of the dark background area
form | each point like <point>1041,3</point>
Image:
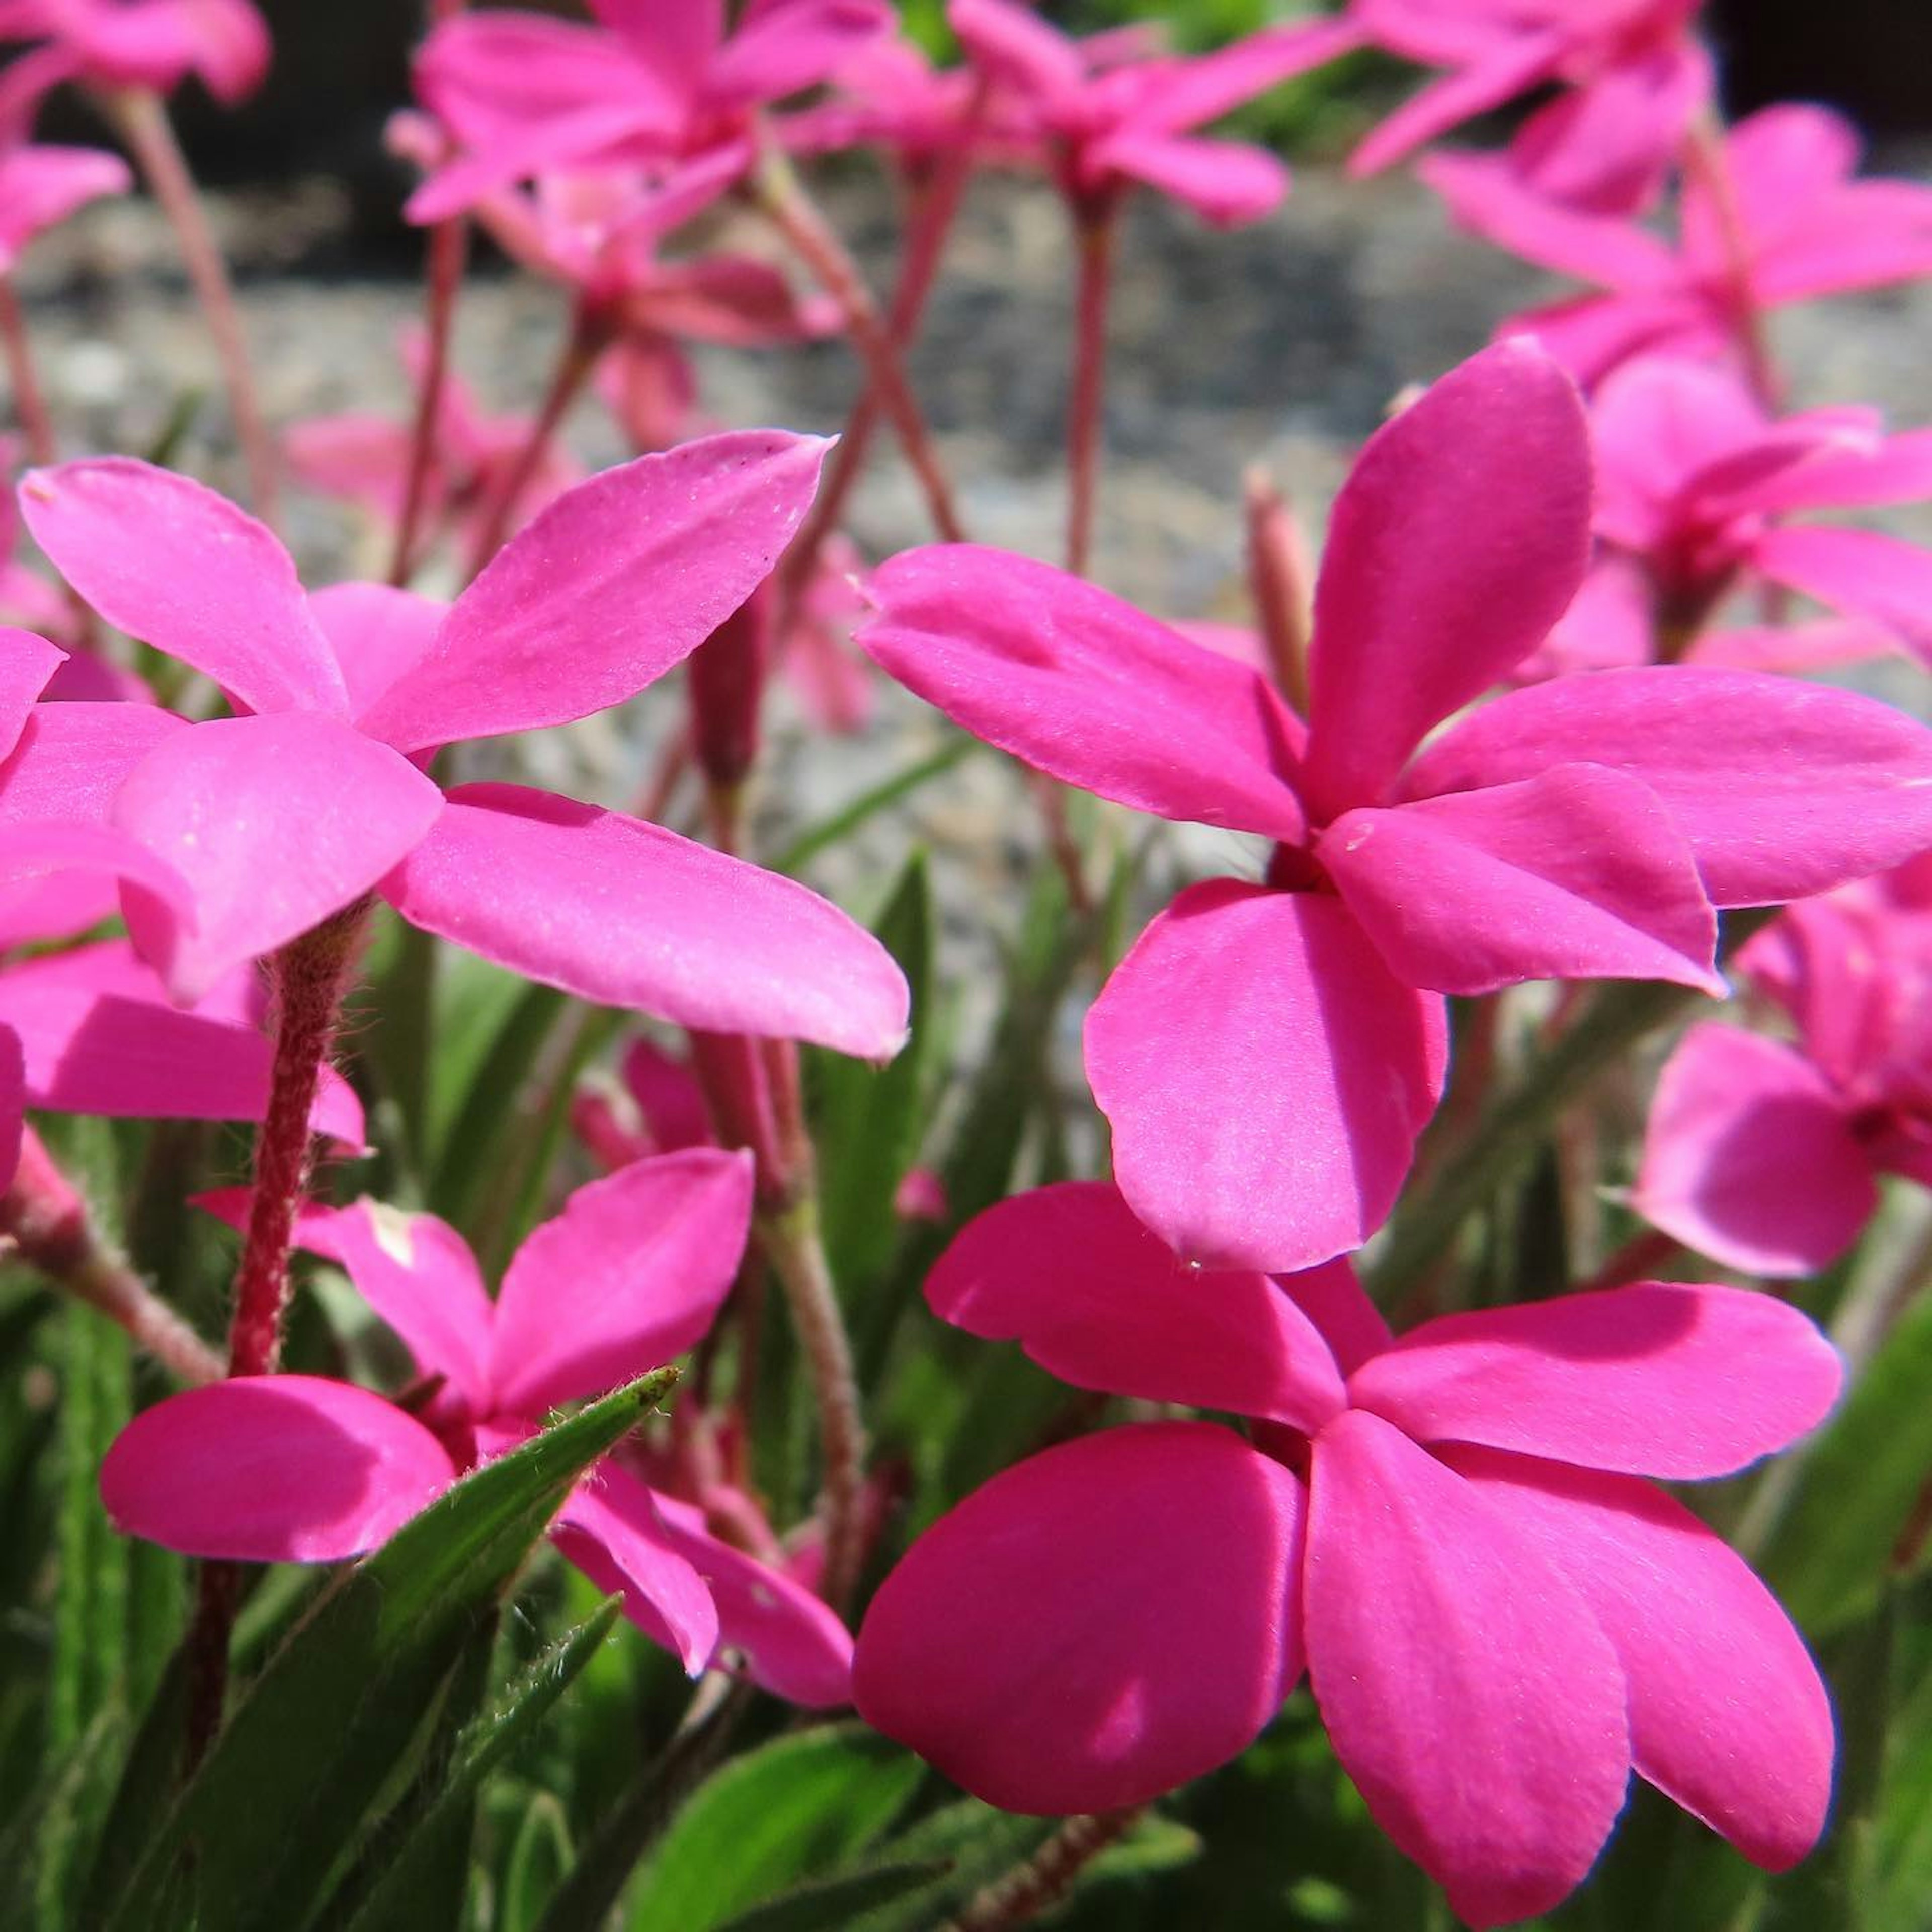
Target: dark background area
<point>342,65</point>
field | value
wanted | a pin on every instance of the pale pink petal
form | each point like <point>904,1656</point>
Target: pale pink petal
<point>1727,1715</point>
<point>1226,182</point>
<point>1846,781</point>
<point>40,187</point>
<point>736,299</point>
<point>1459,539</point>
<point>610,1529</point>
<point>614,583</point>
<point>786,45</point>
<point>628,914</point>
<point>1097,1625</point>
<point>793,1644</point>
<point>1609,624</point>
<point>71,759</point>
<point>1094,1298</point>
<point>377,633</point>
<point>362,458</point>
<point>1265,1074</point>
<point>1867,573</point>
<point>1750,1158</point>
<point>60,908</point>
<point>629,1275</point>
<point>1592,335</point>
<point>1794,647</point>
<point>167,560</point>
<point>29,853</point>
<point>1868,235</point>
<point>1466,1687</point>
<point>275,822</point>
<point>1663,1379</point>
<point>272,1469</point>
<point>1456,98</point>
<point>1082,686</point>
<point>1188,94</point>
<point>1014,46</point>
<point>1580,874</point>
<point>26,662</point>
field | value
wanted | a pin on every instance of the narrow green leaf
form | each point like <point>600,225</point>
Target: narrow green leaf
<point>847,819</point>
<point>978,1845</point>
<point>316,1741</point>
<point>411,1893</point>
<point>540,1854</point>
<point>827,1904</point>
<point>796,1809</point>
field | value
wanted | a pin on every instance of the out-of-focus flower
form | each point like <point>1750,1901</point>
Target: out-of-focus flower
<point>153,45</point>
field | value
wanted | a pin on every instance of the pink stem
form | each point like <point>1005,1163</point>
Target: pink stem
<point>1705,157</point>
<point>777,191</point>
<point>1638,1259</point>
<point>142,119</point>
<point>1095,227</point>
<point>449,250</point>
<point>30,402</point>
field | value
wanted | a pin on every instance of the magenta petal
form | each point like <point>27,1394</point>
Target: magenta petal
<point>1015,47</point>
<point>1846,781</point>
<point>1265,1074</point>
<point>1578,874</point>
<point>71,759</point>
<point>377,633</point>
<point>272,1469</point>
<point>1865,572</point>
<point>1094,1298</point>
<point>1083,686</point>
<point>1727,1714</point>
<point>1459,539</point>
<point>1467,1688</point>
<point>793,1644</point>
<point>609,1528</point>
<point>629,1276</point>
<point>1226,182</point>
<point>615,582</point>
<point>275,822</point>
<point>1517,62</point>
<point>628,914</point>
<point>1664,1379</point>
<point>1749,1156</point>
<point>167,560</point>
<point>777,50</point>
<point>29,853</point>
<point>26,662</point>
<point>1097,1624</point>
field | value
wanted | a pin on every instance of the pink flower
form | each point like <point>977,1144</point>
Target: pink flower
<point>1637,69</point>
<point>299,1468</point>
<point>1500,1620</point>
<point>277,818</point>
<point>1108,125</point>
<point>1695,481</point>
<point>150,44</point>
<point>1267,1053</point>
<point>521,95</point>
<point>364,458</point>
<point>1801,227</point>
<point>660,1109</point>
<point>40,187</point>
<point>1765,1155</point>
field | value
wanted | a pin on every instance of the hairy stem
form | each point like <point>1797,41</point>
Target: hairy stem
<point>1094,230</point>
<point>777,191</point>
<point>141,116</point>
<point>1046,1878</point>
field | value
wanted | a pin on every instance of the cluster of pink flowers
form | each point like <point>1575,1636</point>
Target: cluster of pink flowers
<point>1536,727</point>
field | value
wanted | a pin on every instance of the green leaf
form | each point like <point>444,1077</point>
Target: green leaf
<point>318,1738</point>
<point>1856,1484</point>
<point>412,1892</point>
<point>978,1844</point>
<point>869,1120</point>
<point>540,1854</point>
<point>827,1904</point>
<point>797,1808</point>
<point>847,819</point>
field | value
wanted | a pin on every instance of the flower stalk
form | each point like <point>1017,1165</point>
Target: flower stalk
<point>1023,1894</point>
<point>1095,224</point>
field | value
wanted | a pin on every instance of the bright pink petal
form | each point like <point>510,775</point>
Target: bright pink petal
<point>1082,686</point>
<point>1466,1685</point>
<point>377,634</point>
<point>678,44</point>
<point>1456,98</point>
<point>272,1469</point>
<point>1727,1714</point>
<point>1226,182</point>
<point>669,1096</point>
<point>610,1529</point>
<point>167,560</point>
<point>1794,647</point>
<point>782,47</point>
<point>275,822</point>
<point>1265,1074</point>
<point>1846,781</point>
<point>40,187</point>
<point>1750,1158</point>
<point>1190,93</point>
<point>628,914</point>
<point>29,853</point>
<point>1580,874</point>
<point>1591,335</point>
<point>1664,1379</point>
<point>1097,1624</point>
<point>1094,1298</point>
<point>627,1276</point>
<point>26,663</point>
<point>71,759</point>
<point>1868,235</point>
<point>1865,572</point>
<point>793,1644</point>
<point>616,581</point>
<point>1013,45</point>
<point>1459,539</point>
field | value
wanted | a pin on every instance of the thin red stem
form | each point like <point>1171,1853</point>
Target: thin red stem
<point>449,252</point>
<point>1046,1877</point>
<point>142,117</point>
<point>777,191</point>
<point>1094,226</point>
<point>30,402</point>
<point>1706,157</point>
<point>1638,1259</point>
